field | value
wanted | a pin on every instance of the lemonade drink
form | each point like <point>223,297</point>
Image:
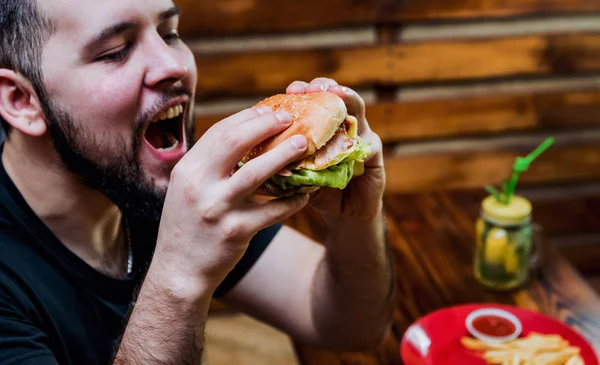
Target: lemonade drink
<point>503,243</point>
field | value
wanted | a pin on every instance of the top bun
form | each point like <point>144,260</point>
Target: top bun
<point>316,116</point>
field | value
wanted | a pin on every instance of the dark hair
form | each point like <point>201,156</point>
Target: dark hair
<point>23,32</point>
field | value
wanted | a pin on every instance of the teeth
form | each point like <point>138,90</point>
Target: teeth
<point>172,112</point>
<point>174,146</point>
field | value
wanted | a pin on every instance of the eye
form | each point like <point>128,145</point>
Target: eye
<point>117,56</point>
<point>172,36</point>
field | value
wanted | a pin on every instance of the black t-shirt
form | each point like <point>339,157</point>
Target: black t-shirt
<point>54,308</point>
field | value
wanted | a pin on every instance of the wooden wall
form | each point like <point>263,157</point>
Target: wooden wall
<point>456,89</point>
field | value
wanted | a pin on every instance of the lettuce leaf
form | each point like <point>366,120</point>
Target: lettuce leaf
<point>360,151</point>
<point>336,176</point>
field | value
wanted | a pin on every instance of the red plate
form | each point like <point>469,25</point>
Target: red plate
<point>435,338</point>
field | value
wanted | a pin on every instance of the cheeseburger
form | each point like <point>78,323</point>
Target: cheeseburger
<point>334,155</point>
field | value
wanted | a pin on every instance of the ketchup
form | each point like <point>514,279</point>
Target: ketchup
<point>494,326</point>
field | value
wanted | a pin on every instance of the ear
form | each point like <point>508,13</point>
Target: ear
<point>19,104</point>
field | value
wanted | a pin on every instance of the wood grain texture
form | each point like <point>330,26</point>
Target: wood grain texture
<point>432,240</point>
<point>420,63</point>
<point>469,169</point>
<point>225,346</point>
<point>582,252</point>
<point>455,9</point>
<point>271,72</point>
<point>204,18</point>
<point>399,121</point>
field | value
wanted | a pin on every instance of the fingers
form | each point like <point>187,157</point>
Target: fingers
<point>320,84</point>
<point>297,87</point>
<point>230,145</point>
<point>254,173</point>
<point>354,103</point>
<point>244,116</point>
<point>209,142</point>
<point>375,158</point>
<point>317,85</point>
<point>274,211</point>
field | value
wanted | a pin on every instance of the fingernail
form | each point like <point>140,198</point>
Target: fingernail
<point>298,141</point>
<point>283,117</point>
<point>317,86</point>
<point>345,90</point>
<point>262,110</point>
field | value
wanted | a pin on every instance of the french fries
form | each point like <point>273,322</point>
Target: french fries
<point>534,349</point>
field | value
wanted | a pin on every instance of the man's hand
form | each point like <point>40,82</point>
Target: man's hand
<point>207,222</point>
<point>362,198</point>
<point>338,294</point>
<point>209,216</point>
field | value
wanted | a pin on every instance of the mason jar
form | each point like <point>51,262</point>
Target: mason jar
<point>505,237</point>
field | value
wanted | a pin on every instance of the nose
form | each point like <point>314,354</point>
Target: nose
<point>166,66</point>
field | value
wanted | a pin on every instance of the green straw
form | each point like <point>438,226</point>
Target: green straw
<point>522,164</point>
<point>493,192</point>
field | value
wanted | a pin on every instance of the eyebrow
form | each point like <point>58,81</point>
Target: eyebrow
<point>174,11</point>
<point>108,33</point>
<point>119,28</point>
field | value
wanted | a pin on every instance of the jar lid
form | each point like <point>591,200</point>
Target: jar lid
<point>518,211</point>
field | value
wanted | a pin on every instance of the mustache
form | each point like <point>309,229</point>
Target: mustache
<point>165,96</point>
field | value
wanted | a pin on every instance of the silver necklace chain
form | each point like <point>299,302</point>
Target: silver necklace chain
<point>129,250</point>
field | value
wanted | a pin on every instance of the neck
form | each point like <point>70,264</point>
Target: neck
<point>84,220</point>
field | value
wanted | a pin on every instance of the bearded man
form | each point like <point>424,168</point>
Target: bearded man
<point>117,230</point>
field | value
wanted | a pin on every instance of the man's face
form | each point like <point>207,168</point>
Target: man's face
<point>111,69</point>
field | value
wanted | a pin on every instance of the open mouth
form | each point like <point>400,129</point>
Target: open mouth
<point>165,132</point>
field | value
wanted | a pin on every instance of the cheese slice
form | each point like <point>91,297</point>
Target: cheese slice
<point>352,126</point>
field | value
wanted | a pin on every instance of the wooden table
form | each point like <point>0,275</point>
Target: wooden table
<point>432,240</point>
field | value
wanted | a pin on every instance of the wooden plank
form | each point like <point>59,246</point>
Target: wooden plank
<point>469,169</point>
<point>396,121</point>
<point>421,63</point>
<point>258,16</point>
<point>271,72</point>
<point>387,354</point>
<point>204,18</point>
<point>583,252</point>
<point>484,115</point>
<point>457,9</point>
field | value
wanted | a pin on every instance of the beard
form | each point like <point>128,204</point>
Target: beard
<point>111,166</point>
